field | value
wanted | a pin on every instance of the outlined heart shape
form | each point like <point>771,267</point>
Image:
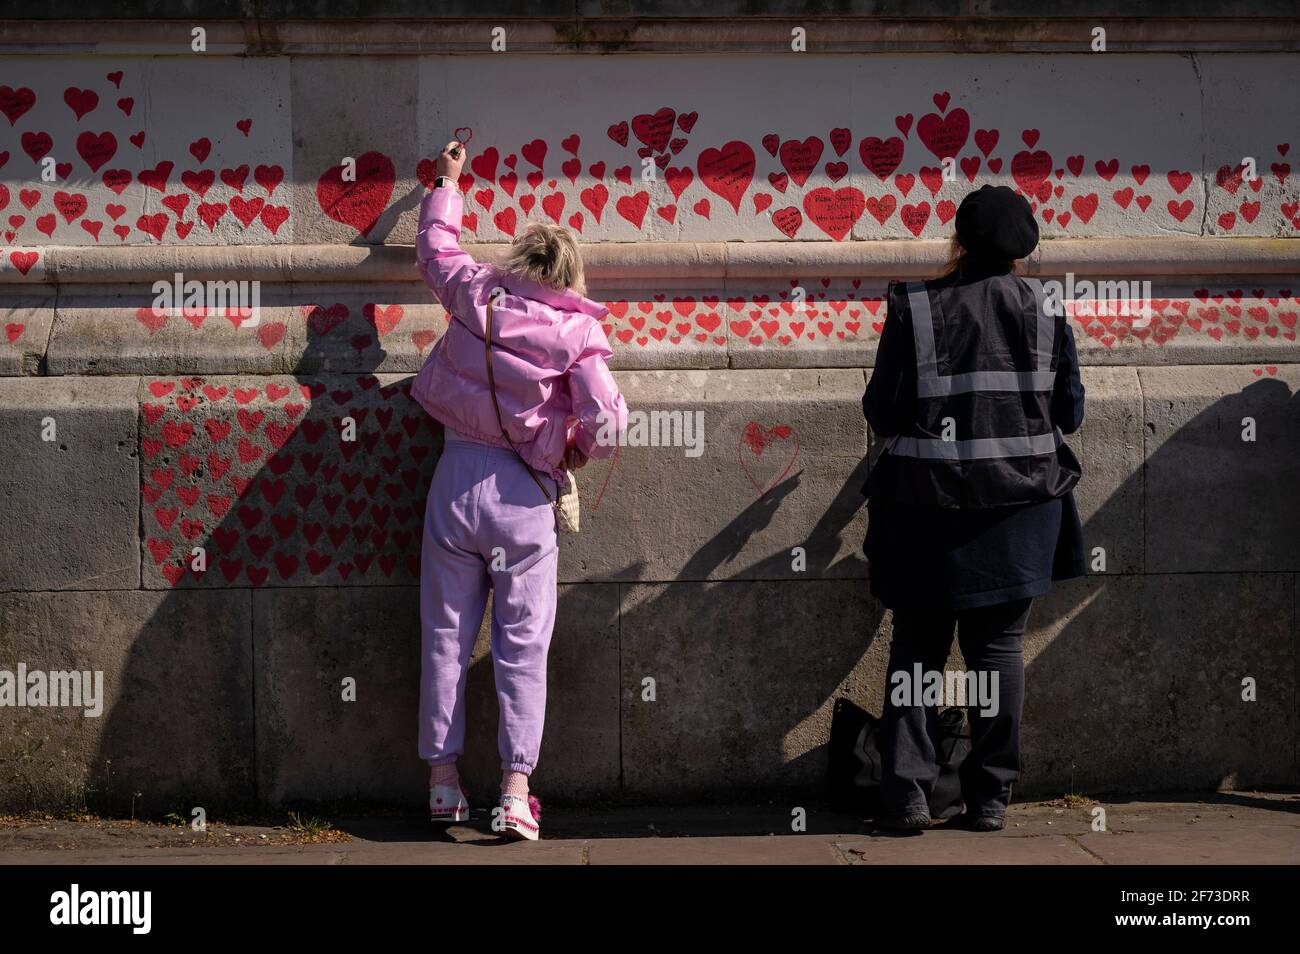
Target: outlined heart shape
<point>754,441</point>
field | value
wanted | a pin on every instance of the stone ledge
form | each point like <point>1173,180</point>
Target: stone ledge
<point>726,29</point>
<point>389,327</point>
<point>605,261</point>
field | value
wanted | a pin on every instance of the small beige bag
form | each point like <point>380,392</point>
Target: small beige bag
<point>567,510</point>
<point>565,505</point>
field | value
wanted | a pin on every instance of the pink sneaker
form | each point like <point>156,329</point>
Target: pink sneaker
<point>520,818</point>
<point>447,803</point>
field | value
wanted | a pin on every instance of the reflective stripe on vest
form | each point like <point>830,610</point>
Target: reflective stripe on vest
<point>930,384</point>
<point>981,448</point>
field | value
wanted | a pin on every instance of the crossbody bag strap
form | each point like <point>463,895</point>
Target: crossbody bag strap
<point>492,386</point>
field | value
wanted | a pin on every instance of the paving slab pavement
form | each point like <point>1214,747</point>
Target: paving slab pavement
<point>1227,828</point>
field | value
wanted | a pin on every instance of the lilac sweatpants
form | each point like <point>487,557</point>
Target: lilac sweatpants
<point>486,522</point>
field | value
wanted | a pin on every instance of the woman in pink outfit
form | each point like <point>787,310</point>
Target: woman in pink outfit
<point>488,522</point>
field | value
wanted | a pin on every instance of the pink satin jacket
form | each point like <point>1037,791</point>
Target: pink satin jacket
<point>549,352</point>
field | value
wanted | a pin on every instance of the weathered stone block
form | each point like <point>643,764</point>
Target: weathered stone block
<point>1135,684</point>
<point>312,746</point>
<point>581,748</point>
<point>745,677</point>
<point>115,329</point>
<point>260,474</point>
<point>337,116</point>
<point>165,149</point>
<point>25,320</point>
<point>780,468</point>
<point>1109,446</point>
<point>176,731</point>
<point>1216,502</point>
<point>1236,206</point>
<point>248,119</point>
<point>381,327</point>
<point>71,503</point>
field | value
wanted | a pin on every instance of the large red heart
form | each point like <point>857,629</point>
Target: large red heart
<point>655,129</point>
<point>835,211</point>
<point>728,171</point>
<point>37,144</point>
<point>96,149</point>
<point>944,136</point>
<point>881,156</point>
<point>633,207</point>
<point>80,101</point>
<point>1030,170</point>
<point>358,204</point>
<point>15,102</point>
<point>800,158</point>
<point>23,261</point>
<point>324,320</point>
<point>384,319</point>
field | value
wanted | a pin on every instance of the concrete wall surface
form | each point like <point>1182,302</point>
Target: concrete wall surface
<point>740,215</point>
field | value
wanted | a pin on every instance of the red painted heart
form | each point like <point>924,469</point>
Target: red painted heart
<point>358,204</point>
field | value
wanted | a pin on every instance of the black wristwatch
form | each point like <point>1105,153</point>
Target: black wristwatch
<point>441,181</point>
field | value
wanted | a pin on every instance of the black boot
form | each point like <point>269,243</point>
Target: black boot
<point>970,822</point>
<point>909,821</point>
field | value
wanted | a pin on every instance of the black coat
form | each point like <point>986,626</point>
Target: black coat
<point>957,535</point>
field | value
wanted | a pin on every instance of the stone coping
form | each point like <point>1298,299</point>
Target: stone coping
<point>1127,257</point>
<point>397,28</point>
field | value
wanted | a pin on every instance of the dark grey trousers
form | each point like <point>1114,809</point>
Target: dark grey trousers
<point>990,640</point>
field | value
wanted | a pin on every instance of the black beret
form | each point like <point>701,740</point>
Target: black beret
<point>995,223</point>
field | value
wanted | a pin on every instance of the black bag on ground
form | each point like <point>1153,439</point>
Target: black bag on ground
<point>855,762</point>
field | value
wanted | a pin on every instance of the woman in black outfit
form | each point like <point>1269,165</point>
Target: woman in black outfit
<point>971,503</point>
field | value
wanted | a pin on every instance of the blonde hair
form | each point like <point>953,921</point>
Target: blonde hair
<point>548,255</point>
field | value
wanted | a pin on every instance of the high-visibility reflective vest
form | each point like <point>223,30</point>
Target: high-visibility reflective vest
<point>980,433</point>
